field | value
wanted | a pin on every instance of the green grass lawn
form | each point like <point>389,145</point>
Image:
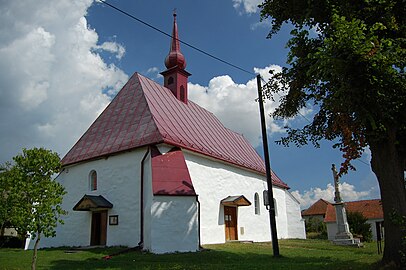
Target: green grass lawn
<point>296,254</point>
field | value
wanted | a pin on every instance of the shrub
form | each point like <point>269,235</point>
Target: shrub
<point>359,226</point>
<point>315,228</point>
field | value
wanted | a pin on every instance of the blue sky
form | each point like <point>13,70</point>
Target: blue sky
<point>62,62</point>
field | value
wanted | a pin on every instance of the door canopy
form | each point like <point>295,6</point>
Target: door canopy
<point>235,201</point>
<point>92,203</point>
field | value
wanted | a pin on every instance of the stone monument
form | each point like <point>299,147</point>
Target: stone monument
<point>343,235</point>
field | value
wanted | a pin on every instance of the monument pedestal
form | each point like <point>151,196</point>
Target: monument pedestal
<point>344,236</point>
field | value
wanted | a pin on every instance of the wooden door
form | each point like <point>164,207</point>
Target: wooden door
<point>230,221</point>
<point>99,229</point>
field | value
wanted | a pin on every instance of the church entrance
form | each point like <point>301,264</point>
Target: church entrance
<point>230,214</point>
<point>230,221</point>
<point>99,228</point>
<point>97,206</point>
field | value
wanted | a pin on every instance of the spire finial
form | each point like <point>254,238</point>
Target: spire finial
<point>176,77</point>
<point>175,57</point>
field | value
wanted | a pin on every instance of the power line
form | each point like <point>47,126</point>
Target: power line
<point>183,42</point>
<point>304,117</point>
<point>363,162</point>
<point>197,49</point>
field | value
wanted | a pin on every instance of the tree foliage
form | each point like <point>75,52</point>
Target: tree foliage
<point>315,228</point>
<point>37,198</point>
<point>347,60</point>
<point>359,226</point>
<point>8,196</point>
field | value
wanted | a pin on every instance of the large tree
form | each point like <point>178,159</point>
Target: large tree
<point>347,60</point>
<point>38,208</point>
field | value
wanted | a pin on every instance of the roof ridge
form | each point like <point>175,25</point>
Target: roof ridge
<point>104,138</point>
<point>150,103</point>
<point>364,200</point>
<point>206,145</point>
<point>97,118</point>
<point>325,201</point>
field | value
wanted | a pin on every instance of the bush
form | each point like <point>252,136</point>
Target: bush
<point>11,242</point>
<point>315,228</point>
<point>358,226</point>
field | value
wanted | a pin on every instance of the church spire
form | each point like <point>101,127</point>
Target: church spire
<point>176,77</point>
<point>175,57</point>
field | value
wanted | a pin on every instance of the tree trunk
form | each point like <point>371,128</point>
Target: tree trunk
<point>34,256</point>
<point>3,227</point>
<point>388,164</point>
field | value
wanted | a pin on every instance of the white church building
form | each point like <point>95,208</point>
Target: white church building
<point>158,171</point>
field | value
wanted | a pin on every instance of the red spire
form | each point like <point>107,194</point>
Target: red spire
<point>175,77</point>
<point>175,57</point>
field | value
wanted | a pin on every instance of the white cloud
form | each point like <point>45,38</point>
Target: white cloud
<point>248,6</point>
<point>266,23</point>
<point>153,70</point>
<point>348,193</point>
<point>112,47</point>
<point>154,73</point>
<point>368,155</point>
<point>51,75</point>
<point>235,104</point>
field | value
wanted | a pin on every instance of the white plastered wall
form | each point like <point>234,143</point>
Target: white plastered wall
<point>118,180</point>
<point>373,222</point>
<point>174,225</point>
<point>148,197</point>
<point>296,224</point>
<point>332,228</point>
<point>214,181</point>
<point>168,220</point>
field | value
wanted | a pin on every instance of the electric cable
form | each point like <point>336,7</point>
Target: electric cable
<point>195,48</point>
<point>183,42</point>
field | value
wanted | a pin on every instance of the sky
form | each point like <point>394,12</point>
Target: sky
<point>63,61</point>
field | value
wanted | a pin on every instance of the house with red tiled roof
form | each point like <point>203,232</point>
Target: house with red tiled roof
<point>157,171</point>
<point>370,209</point>
<point>316,210</point>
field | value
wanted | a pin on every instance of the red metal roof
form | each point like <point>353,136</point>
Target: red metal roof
<point>170,175</point>
<point>318,208</point>
<point>126,123</point>
<point>146,113</point>
<point>371,209</point>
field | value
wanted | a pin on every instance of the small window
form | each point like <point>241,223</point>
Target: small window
<point>182,93</point>
<point>170,80</point>
<point>93,180</point>
<point>256,204</point>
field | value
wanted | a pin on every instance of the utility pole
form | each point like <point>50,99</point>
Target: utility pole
<point>274,234</point>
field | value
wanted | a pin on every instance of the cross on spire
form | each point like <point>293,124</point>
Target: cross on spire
<point>176,77</point>
<point>175,57</point>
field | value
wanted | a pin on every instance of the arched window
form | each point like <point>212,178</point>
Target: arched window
<point>93,180</point>
<point>256,204</point>
<point>276,208</point>
<point>182,93</point>
<point>170,80</point>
